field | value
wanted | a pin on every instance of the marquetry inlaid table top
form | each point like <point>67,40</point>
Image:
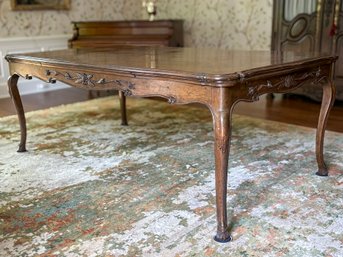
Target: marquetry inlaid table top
<point>216,78</point>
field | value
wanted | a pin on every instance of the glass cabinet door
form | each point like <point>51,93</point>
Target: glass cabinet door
<point>294,7</point>
<point>296,25</point>
<point>339,51</point>
<point>310,26</point>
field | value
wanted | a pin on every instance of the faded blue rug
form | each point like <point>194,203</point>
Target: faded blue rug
<point>90,187</point>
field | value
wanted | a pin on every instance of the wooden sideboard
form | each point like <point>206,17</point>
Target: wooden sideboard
<point>108,34</point>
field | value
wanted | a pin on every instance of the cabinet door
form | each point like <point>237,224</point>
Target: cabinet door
<point>294,25</point>
<point>328,23</point>
<point>339,47</point>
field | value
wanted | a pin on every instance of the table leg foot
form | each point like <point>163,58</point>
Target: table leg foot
<point>14,93</point>
<point>22,149</point>
<point>122,99</point>
<point>222,237</point>
<point>323,172</point>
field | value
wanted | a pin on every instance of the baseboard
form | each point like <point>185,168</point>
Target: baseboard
<point>29,44</point>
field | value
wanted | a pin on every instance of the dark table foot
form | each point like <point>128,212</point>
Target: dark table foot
<point>22,149</point>
<point>223,237</point>
<point>322,172</point>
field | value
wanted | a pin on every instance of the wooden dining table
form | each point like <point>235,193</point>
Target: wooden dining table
<point>216,78</point>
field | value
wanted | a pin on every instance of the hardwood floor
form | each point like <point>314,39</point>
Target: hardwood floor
<point>294,109</point>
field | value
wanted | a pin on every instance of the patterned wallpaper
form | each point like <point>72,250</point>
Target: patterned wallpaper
<point>232,24</point>
<point>38,23</point>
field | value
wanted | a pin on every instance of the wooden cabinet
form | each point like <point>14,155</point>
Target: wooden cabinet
<point>308,26</point>
<point>338,46</point>
<point>106,34</point>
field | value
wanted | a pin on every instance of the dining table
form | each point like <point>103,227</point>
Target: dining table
<point>213,77</point>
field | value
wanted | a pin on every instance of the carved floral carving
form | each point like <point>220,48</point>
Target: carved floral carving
<point>223,145</point>
<point>82,78</point>
<point>89,81</point>
<point>171,100</point>
<point>127,92</point>
<point>202,78</point>
<point>284,83</point>
<point>27,76</point>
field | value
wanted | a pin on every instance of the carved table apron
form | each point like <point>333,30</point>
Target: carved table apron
<point>216,78</point>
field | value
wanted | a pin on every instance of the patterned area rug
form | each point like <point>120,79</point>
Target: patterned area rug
<point>90,187</point>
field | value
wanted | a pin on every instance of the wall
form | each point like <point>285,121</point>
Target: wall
<point>38,23</point>
<point>231,24</point>
<point>30,31</point>
<point>29,44</point>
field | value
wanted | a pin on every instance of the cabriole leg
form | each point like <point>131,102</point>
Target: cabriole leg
<point>329,93</point>
<point>222,134</point>
<point>14,93</point>
<point>122,99</point>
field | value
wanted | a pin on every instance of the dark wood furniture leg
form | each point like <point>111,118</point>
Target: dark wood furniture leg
<point>222,134</point>
<point>329,92</point>
<point>122,99</point>
<point>14,93</point>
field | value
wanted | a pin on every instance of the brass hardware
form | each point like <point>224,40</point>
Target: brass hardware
<point>52,80</point>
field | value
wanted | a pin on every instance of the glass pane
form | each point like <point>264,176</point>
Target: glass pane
<point>294,7</point>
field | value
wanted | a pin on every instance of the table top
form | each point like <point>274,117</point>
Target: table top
<point>188,63</point>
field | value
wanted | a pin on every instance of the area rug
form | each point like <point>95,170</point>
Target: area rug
<point>91,187</point>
